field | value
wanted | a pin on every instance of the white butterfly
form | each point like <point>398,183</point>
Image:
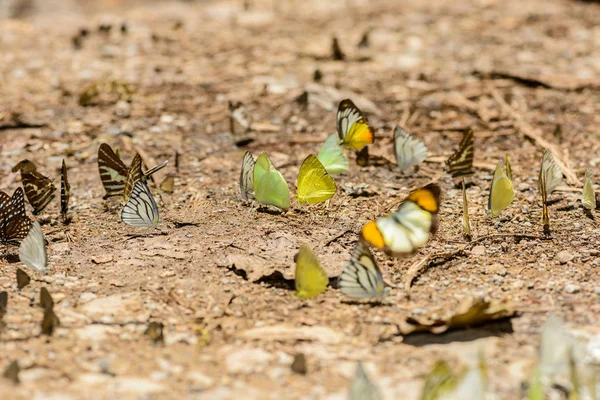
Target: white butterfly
<point>247,177</point>
<point>362,387</point>
<point>361,279</point>
<point>33,249</point>
<point>551,172</point>
<point>140,210</point>
<point>409,151</point>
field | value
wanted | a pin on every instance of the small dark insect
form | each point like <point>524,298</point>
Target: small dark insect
<point>46,300</point>
<point>83,32</point>
<point>22,278</point>
<point>337,53</point>
<point>3,303</point>
<point>124,28</point>
<point>318,76</point>
<point>302,100</point>
<point>364,41</point>
<point>50,322</point>
<point>12,372</point>
<point>155,332</point>
<point>77,42</point>
<point>299,364</point>
<point>104,28</point>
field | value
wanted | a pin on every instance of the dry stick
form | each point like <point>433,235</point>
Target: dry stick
<point>534,134</point>
<point>417,268</point>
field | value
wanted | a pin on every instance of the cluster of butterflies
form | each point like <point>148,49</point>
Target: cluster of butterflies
<point>16,228</point>
<point>139,207</point>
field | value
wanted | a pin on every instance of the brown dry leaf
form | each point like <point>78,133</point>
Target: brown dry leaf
<point>471,311</point>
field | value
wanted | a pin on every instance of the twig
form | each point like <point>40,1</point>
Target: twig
<point>423,264</point>
<point>534,134</point>
<point>336,237</point>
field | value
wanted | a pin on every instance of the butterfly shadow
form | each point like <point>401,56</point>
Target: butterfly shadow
<point>276,280</point>
<point>268,210</point>
<point>492,329</point>
<point>11,258</point>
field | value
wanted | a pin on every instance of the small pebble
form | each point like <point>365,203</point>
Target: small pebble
<point>571,288</point>
<point>478,251</point>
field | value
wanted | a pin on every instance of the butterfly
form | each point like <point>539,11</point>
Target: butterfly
<point>269,185</point>
<point>588,198</point>
<point>12,372</point>
<point>352,128</point>
<point>14,222</point>
<point>141,210</point>
<point>114,174</point>
<point>38,189</point>
<point>168,184</point>
<point>65,192</point>
<point>361,279</point>
<point>311,279</point>
<point>544,192</point>
<point>409,151</point>
<point>247,177</point>
<point>461,162</point>
<point>407,229</point>
<point>332,156</point>
<point>362,388</point>
<point>502,192</point>
<point>32,251</point>
<point>240,119</point>
<point>46,301</point>
<point>465,221</point>
<point>362,157</point>
<point>22,278</point>
<point>552,173</point>
<point>50,322</point>
<point>314,183</point>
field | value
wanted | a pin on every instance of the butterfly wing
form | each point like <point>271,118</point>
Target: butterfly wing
<point>588,198</point>
<point>362,387</point>
<point>409,151</point>
<point>352,127</point>
<point>113,172</point>
<point>314,183</point>
<point>465,221</point>
<point>269,185</point>
<point>552,173</point>
<point>502,192</point>
<point>409,227</point>
<point>38,188</point>
<point>311,279</point>
<point>65,191</point>
<point>247,177</point>
<point>362,279</point>
<point>14,222</point>
<point>134,174</point>
<point>332,156</point>
<point>32,251</point>
<point>141,210</point>
<point>168,184</point>
<point>461,162</point>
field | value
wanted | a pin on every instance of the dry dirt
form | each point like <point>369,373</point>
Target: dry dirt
<point>222,286</point>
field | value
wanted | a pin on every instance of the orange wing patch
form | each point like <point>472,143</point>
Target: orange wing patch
<point>428,198</point>
<point>372,234</point>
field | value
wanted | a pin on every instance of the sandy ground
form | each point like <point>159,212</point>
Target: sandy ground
<point>218,273</point>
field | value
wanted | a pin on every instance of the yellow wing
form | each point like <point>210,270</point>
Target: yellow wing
<point>409,227</point>
<point>314,183</point>
<point>502,192</point>
<point>352,127</point>
<point>311,279</point>
<point>589,197</point>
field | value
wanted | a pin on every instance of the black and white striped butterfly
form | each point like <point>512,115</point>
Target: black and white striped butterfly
<point>141,210</point>
<point>461,162</point>
<point>32,251</point>
<point>361,279</point>
<point>38,188</point>
<point>116,177</point>
<point>247,177</point>
<point>14,223</point>
<point>409,151</point>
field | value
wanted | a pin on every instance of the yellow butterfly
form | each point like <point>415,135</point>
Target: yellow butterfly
<point>352,127</point>
<point>588,198</point>
<point>461,162</point>
<point>466,223</point>
<point>407,229</point>
<point>502,192</point>
<point>332,157</point>
<point>311,279</point>
<point>269,185</point>
<point>314,183</point>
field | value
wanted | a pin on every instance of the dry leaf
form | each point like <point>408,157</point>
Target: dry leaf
<point>470,312</point>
